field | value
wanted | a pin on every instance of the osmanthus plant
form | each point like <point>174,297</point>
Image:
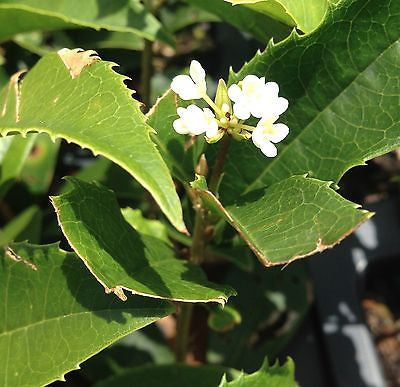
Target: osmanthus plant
<point>255,168</point>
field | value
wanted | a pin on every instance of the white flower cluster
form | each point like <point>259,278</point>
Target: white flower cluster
<point>252,97</point>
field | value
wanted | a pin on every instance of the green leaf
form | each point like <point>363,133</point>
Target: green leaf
<point>14,151</point>
<point>245,19</point>
<point>148,345</point>
<point>39,167</point>
<point>304,14</point>
<point>145,226</point>
<point>239,255</point>
<point>26,226</point>
<point>172,145</point>
<point>54,316</point>
<point>271,376</point>
<point>171,376</point>
<point>223,319</point>
<point>75,96</point>
<point>121,258</point>
<point>184,16</point>
<point>112,176</point>
<point>343,96</point>
<point>280,301</point>
<point>292,219</point>
<point>121,16</point>
<point>3,75</point>
<point>37,42</point>
<point>92,39</point>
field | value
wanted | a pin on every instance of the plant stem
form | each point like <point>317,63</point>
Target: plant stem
<point>147,72</point>
<point>199,239</point>
<point>147,64</point>
<point>197,251</point>
<point>183,331</point>
<point>219,164</point>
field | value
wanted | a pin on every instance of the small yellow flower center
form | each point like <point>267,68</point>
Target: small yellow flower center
<point>268,128</point>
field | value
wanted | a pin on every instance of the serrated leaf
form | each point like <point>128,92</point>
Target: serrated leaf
<point>123,259</point>
<point>255,23</point>
<point>14,151</point>
<point>271,376</point>
<point>171,376</point>
<point>54,316</point>
<point>123,16</point>
<point>75,96</point>
<point>343,85</point>
<point>292,219</point>
<point>304,14</point>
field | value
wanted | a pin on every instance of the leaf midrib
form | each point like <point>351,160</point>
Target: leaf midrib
<point>276,159</point>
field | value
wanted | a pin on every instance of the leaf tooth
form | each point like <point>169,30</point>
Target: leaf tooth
<point>270,46</point>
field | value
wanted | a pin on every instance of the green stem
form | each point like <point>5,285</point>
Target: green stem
<point>198,250</point>
<point>199,238</point>
<point>147,72</point>
<point>147,64</point>
<point>219,164</point>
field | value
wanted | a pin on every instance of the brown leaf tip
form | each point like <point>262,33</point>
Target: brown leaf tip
<point>77,59</point>
<point>118,291</point>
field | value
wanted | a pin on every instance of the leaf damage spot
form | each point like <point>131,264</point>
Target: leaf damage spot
<point>118,291</point>
<point>15,83</point>
<point>77,59</point>
<point>10,253</point>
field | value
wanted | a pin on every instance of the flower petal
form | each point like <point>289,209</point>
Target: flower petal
<point>258,109</point>
<point>280,132</point>
<point>241,111</point>
<point>281,105</point>
<point>234,92</point>
<point>251,83</point>
<point>272,89</point>
<point>212,130</point>
<point>197,72</point>
<point>181,111</point>
<point>180,127</point>
<point>194,110</point>
<point>208,113</point>
<point>184,86</point>
<point>269,149</point>
<point>258,137</point>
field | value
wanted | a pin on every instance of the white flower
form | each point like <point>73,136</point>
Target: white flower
<point>266,134</point>
<point>257,98</point>
<point>193,87</point>
<point>195,121</point>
